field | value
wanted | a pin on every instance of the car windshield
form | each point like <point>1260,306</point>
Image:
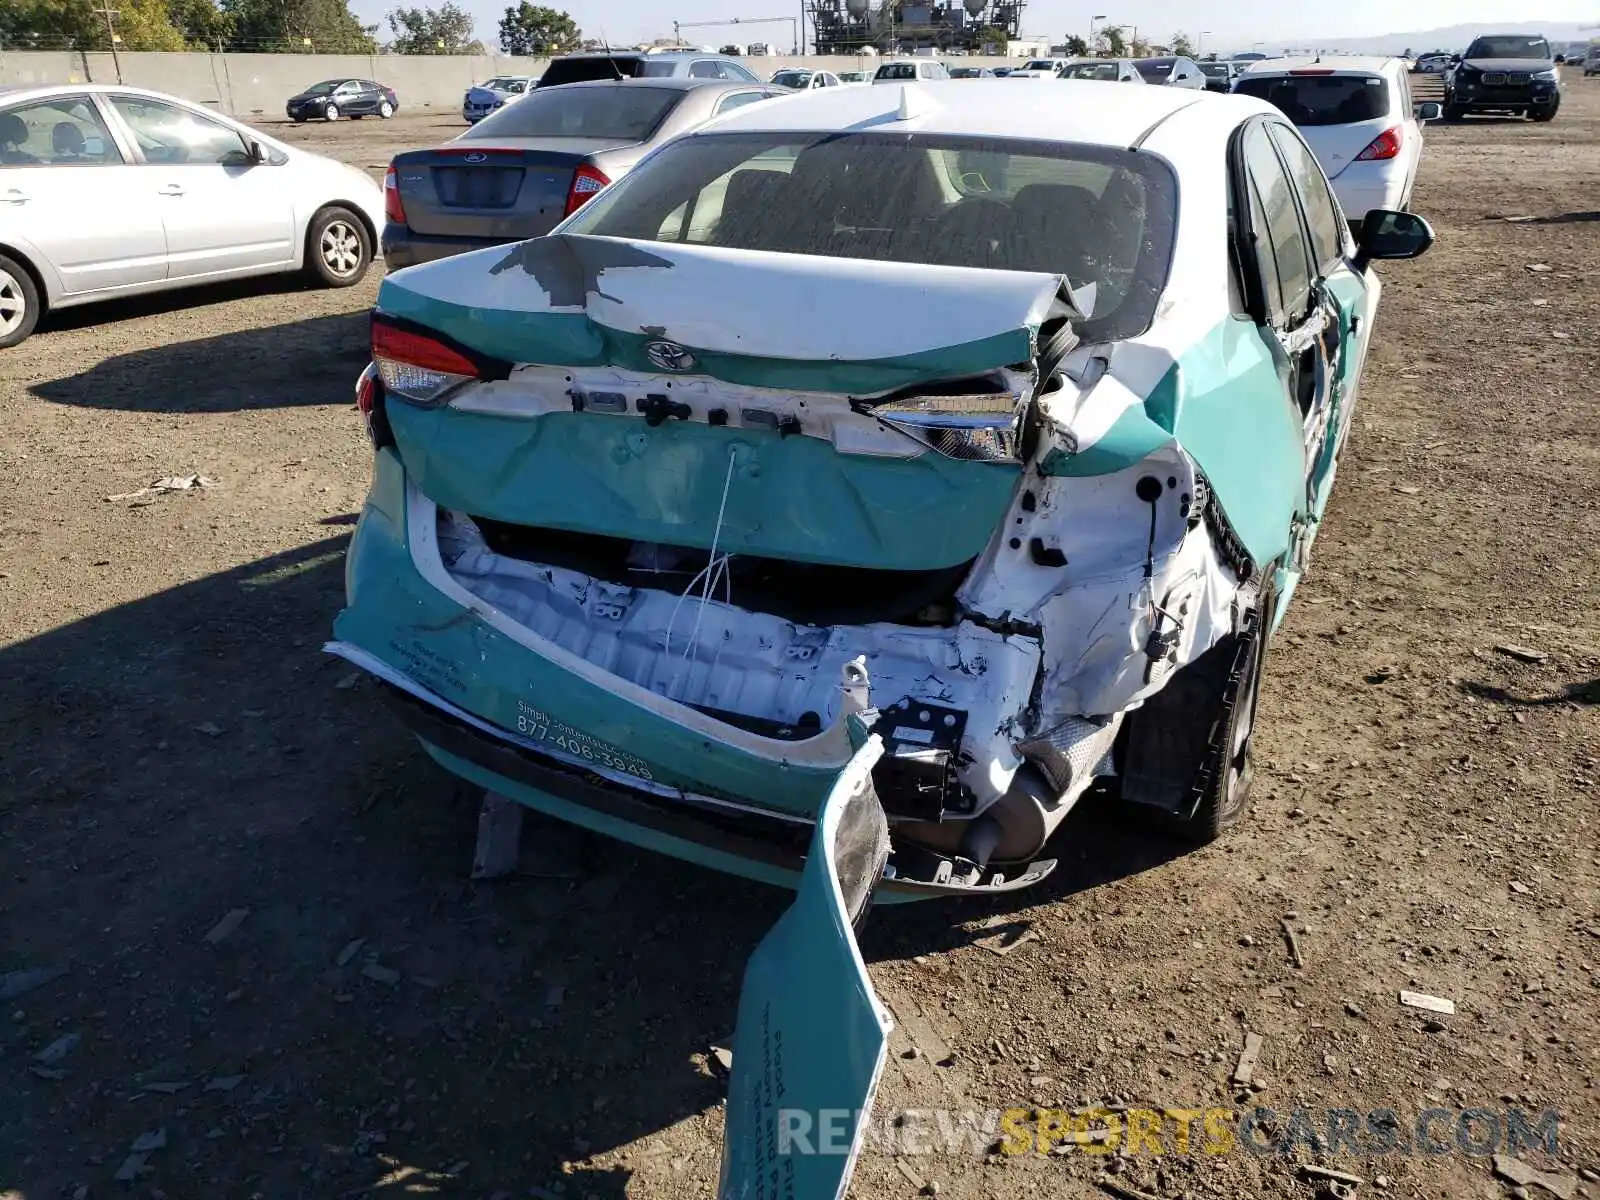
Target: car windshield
<point>1154,68</point>
<point>322,89</point>
<point>794,79</point>
<point>1215,70</point>
<point>1039,64</point>
<point>1090,70</point>
<point>624,113</point>
<point>505,84</point>
<point>1100,216</point>
<point>1320,99</point>
<point>1508,47</point>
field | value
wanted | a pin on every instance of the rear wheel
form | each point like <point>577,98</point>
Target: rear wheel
<point>331,112</point>
<point>386,110</point>
<point>338,250</point>
<point>19,302</point>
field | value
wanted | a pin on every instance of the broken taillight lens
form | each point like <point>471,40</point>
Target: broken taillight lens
<point>393,209</point>
<point>418,367</point>
<point>1386,145</point>
<point>586,181</point>
<point>982,426</point>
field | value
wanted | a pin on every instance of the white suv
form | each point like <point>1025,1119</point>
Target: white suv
<point>910,70</point>
<point>1358,117</point>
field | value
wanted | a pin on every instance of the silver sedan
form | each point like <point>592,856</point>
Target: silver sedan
<point>109,191</point>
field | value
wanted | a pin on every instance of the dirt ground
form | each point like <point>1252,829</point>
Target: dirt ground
<point>174,748</point>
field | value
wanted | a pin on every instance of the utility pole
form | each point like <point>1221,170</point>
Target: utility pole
<point>106,11</point>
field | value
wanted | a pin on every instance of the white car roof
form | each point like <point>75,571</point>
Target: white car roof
<point>1074,110</point>
<point>1343,64</point>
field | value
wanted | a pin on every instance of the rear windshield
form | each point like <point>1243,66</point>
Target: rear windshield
<point>1090,70</point>
<point>577,70</point>
<point>1320,99</point>
<point>1502,46</point>
<point>602,113</point>
<point>897,71</point>
<point>794,79</point>
<point>1100,216</point>
<point>1215,70</point>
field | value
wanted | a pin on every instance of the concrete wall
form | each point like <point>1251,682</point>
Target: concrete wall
<point>256,85</point>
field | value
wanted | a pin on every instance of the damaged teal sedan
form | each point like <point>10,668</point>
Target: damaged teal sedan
<point>841,495</point>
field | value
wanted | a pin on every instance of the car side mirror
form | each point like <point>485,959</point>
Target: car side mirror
<point>1455,60</point>
<point>1429,110</point>
<point>1388,234</point>
<point>255,152</point>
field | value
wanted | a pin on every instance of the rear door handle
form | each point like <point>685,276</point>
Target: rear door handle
<point>171,189</point>
<point>16,196</point>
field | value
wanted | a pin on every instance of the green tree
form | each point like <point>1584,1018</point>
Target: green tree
<point>297,27</point>
<point>53,24</point>
<point>1181,44</point>
<point>203,25</point>
<point>443,30</point>
<point>1077,47</point>
<point>1112,44</point>
<point>530,29</point>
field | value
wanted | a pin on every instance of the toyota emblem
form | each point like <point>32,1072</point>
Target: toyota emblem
<point>669,356</point>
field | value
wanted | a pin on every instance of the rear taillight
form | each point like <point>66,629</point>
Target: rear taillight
<point>393,209</point>
<point>586,181</point>
<point>417,367</point>
<point>1385,145</point>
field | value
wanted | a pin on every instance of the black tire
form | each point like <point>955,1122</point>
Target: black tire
<point>298,120</point>
<point>1543,115</point>
<point>338,248</point>
<point>385,110</point>
<point>331,113</point>
<point>19,302</point>
<point>1231,767</point>
<point>1454,112</point>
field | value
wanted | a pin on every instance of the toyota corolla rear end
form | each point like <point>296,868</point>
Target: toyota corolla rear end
<point>675,507</point>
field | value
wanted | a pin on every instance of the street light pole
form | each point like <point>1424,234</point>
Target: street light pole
<point>1092,20</point>
<point>1200,47</point>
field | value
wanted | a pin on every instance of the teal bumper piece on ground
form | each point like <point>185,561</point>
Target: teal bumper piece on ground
<point>795,498</point>
<point>395,615</point>
<point>812,1037</point>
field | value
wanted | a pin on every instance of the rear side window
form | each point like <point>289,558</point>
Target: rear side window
<point>1154,69</point>
<point>64,132</point>
<point>1276,225</point>
<point>624,113</point>
<point>577,70</point>
<point>704,69</point>
<point>1091,70</point>
<point>1321,99</point>
<point>897,71</point>
<point>1322,214</point>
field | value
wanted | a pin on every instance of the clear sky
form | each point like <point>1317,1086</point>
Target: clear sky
<point>1233,23</point>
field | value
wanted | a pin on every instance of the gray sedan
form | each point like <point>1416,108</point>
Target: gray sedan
<point>521,170</point>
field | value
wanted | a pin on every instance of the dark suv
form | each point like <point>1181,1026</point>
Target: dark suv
<point>1504,72</point>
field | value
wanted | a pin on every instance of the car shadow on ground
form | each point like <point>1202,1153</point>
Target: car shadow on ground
<point>194,753</point>
<point>310,361</point>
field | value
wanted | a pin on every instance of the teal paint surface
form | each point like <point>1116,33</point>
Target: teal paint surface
<point>793,498</point>
<point>392,613</point>
<point>809,1040</point>
<point>1225,403</point>
<point>573,339</point>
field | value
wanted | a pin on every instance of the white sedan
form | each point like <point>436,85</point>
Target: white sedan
<point>1359,119</point>
<point>110,191</point>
